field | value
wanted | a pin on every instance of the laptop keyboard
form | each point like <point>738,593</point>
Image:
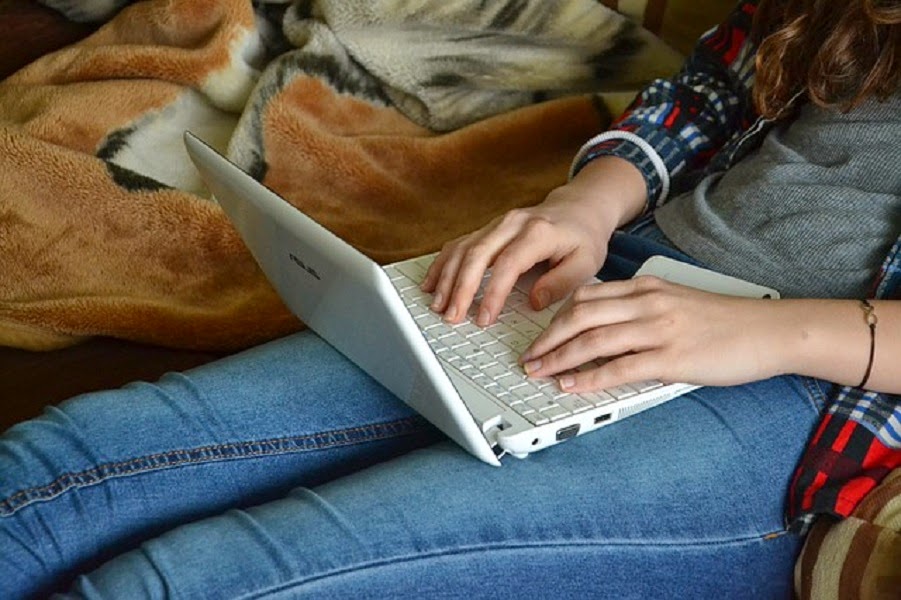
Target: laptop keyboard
<point>488,356</point>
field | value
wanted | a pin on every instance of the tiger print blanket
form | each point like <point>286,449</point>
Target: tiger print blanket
<point>397,124</point>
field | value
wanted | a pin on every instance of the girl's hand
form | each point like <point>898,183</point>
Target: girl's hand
<point>511,245</point>
<point>647,328</point>
<point>570,230</point>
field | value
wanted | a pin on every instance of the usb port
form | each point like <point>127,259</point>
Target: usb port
<point>602,418</point>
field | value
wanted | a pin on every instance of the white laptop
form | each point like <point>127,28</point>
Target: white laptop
<point>464,379</point>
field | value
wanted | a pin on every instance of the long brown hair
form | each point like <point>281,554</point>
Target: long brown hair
<point>839,52</point>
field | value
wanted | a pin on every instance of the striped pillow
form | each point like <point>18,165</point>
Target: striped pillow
<point>858,558</point>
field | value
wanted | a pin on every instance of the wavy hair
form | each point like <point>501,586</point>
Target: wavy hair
<point>838,53</point>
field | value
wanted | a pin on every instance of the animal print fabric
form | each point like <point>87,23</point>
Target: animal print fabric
<point>397,124</point>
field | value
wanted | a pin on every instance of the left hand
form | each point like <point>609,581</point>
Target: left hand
<point>647,328</point>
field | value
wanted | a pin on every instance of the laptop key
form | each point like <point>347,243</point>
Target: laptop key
<point>598,398</point>
<point>464,348</point>
<point>496,370</point>
<point>508,381</point>
<point>481,360</point>
<point>413,269</point>
<point>621,392</point>
<point>467,329</point>
<point>496,349</point>
<point>482,338</point>
<point>516,342</point>
<point>574,403</point>
<point>524,391</point>
<point>644,386</point>
<point>537,418</point>
<point>541,403</point>
<point>555,413</point>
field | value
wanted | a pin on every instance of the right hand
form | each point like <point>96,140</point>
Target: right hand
<point>570,230</point>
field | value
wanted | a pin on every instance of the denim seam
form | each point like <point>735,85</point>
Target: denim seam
<point>815,392</point>
<point>204,454</point>
<point>493,547</point>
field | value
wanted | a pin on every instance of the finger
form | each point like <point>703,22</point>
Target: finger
<point>560,281</point>
<point>580,316</point>
<point>629,368</point>
<point>441,277</point>
<point>461,274</point>
<point>602,342</point>
<point>480,254</point>
<point>430,281</point>
<point>532,246</point>
<point>474,263</point>
<point>446,274</point>
<point>623,288</point>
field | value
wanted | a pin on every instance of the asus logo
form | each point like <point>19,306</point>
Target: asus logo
<point>304,266</point>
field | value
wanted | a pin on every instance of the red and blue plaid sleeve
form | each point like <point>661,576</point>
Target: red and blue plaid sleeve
<point>676,125</point>
<point>858,442</point>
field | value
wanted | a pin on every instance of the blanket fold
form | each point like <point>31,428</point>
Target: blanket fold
<point>397,125</point>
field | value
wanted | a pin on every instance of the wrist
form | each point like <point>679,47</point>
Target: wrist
<point>613,189</point>
<point>825,339</point>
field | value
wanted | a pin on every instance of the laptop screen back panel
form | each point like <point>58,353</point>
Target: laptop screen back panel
<point>341,294</point>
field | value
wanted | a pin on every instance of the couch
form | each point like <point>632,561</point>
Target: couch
<point>857,558</point>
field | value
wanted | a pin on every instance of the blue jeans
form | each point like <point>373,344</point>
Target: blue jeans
<point>286,472</point>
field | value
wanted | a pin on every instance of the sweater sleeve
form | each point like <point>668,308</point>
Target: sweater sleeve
<point>676,125</point>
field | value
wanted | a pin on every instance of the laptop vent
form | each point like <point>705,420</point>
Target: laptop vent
<point>637,408</point>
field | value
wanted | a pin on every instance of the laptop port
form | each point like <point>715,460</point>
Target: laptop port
<point>601,418</point>
<point>567,432</point>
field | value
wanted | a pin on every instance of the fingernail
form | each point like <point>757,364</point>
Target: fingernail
<point>484,318</point>
<point>532,366</point>
<point>437,300</point>
<point>451,313</point>
<point>567,382</point>
<point>544,298</point>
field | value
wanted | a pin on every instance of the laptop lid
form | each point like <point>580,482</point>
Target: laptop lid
<point>341,294</point>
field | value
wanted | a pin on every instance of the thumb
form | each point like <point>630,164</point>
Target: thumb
<point>564,277</point>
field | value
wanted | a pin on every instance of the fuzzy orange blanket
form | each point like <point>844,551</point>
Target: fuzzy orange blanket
<point>385,123</point>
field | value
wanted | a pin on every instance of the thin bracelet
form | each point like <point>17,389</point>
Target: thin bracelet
<point>869,315</point>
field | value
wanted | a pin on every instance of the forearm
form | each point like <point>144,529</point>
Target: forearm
<point>830,339</point>
<point>612,190</point>
<point>674,125</point>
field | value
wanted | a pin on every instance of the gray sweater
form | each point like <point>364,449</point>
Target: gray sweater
<point>813,212</point>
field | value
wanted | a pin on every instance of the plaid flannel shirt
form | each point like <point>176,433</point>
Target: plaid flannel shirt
<point>702,121</point>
